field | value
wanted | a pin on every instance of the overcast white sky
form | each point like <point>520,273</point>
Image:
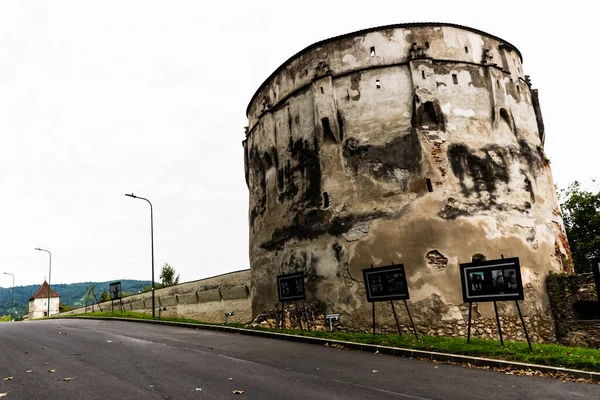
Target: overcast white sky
<point>99,99</point>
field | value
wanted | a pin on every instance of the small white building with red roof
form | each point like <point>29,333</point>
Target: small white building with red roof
<point>38,303</point>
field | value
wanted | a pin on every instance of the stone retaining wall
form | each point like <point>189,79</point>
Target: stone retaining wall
<point>205,300</point>
<point>574,303</point>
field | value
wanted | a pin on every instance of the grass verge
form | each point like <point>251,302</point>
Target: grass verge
<point>544,354</point>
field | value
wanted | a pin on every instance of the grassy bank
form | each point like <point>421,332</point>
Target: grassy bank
<point>544,354</point>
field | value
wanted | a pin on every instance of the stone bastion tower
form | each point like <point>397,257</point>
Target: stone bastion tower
<point>420,144</point>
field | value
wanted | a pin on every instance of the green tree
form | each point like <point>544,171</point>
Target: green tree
<point>581,215</point>
<point>88,298</point>
<point>167,275</point>
<point>105,296</point>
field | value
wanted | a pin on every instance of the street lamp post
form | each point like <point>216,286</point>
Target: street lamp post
<point>49,275</point>
<point>12,296</point>
<point>151,244</point>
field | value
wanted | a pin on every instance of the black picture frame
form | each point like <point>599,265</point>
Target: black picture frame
<point>596,271</point>
<point>493,280</point>
<point>115,291</point>
<point>386,283</point>
<point>291,286</point>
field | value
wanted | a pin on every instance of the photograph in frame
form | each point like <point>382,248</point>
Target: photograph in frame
<point>596,271</point>
<point>386,283</point>
<point>493,280</point>
<point>291,287</point>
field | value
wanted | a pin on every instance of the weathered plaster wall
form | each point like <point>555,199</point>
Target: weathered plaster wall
<point>38,308</point>
<point>419,144</point>
<point>205,300</point>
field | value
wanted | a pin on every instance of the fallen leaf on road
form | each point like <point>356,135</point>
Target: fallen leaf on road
<point>237,391</point>
<point>230,379</point>
<point>198,389</point>
<point>375,370</point>
<point>52,371</point>
<point>59,333</point>
<point>43,347</point>
<point>9,378</point>
<point>64,379</point>
<point>3,394</point>
<point>29,370</point>
<point>109,341</point>
<point>377,352</point>
<point>45,363</point>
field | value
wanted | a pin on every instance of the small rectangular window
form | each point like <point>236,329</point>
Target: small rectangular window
<point>466,50</point>
<point>455,79</point>
<point>378,83</point>
<point>423,74</point>
<point>429,186</point>
<point>325,200</point>
<point>372,51</point>
<point>322,91</point>
<point>426,45</point>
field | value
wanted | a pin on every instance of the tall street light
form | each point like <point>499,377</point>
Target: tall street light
<point>151,243</point>
<point>49,274</point>
<point>12,296</point>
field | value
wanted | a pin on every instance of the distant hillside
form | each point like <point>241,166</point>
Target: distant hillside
<point>70,294</point>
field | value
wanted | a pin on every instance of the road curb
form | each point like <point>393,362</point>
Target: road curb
<point>371,348</point>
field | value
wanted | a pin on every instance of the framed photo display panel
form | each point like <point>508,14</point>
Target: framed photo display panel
<point>291,287</point>
<point>596,270</point>
<point>494,280</point>
<point>386,283</point>
<point>115,291</point>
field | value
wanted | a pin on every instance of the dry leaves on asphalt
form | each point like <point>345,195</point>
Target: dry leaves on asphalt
<point>237,391</point>
<point>3,394</point>
<point>52,371</point>
<point>29,371</point>
<point>64,379</point>
<point>198,389</point>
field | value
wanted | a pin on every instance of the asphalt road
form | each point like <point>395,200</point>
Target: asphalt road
<point>125,360</point>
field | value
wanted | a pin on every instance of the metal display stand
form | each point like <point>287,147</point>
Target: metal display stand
<point>290,287</point>
<point>494,280</point>
<point>391,277</point>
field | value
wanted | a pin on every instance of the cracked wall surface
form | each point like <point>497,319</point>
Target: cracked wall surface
<point>419,144</point>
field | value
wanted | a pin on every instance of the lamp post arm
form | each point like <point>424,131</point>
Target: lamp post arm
<point>151,244</point>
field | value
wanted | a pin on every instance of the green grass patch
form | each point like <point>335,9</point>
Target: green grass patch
<point>544,354</point>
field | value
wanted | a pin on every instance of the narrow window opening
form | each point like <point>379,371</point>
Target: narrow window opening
<point>426,45</point>
<point>372,51</point>
<point>340,121</point>
<point>455,79</point>
<point>466,50</point>
<point>518,89</point>
<point>429,186</point>
<point>322,91</point>
<point>423,74</point>
<point>327,132</point>
<point>325,200</point>
<point>428,117</point>
<point>378,83</point>
<point>498,83</point>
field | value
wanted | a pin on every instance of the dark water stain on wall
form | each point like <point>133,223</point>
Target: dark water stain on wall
<point>484,171</point>
<point>381,162</point>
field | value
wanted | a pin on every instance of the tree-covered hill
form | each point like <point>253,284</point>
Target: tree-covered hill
<point>70,294</point>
